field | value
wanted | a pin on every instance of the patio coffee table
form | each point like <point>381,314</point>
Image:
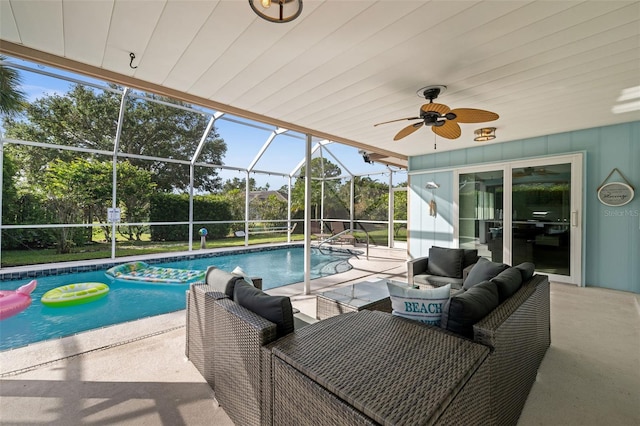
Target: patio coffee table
<point>370,295</point>
<point>372,368</point>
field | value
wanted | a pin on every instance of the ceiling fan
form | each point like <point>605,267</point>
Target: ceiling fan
<point>442,119</point>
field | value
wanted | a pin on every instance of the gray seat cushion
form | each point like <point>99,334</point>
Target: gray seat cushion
<point>437,281</point>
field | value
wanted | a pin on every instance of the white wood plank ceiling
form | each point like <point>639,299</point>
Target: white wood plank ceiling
<point>544,66</point>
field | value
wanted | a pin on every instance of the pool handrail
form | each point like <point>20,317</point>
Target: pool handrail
<point>350,230</point>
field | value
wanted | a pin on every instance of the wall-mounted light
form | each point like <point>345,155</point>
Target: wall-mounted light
<point>277,10</point>
<point>485,134</point>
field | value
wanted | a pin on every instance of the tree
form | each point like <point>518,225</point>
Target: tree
<point>240,184</point>
<point>80,191</point>
<point>320,168</point>
<point>271,208</point>
<point>88,118</point>
<point>133,192</point>
<point>399,210</point>
<point>57,181</point>
<point>235,199</point>
<point>371,199</point>
<point>12,99</point>
<point>9,190</point>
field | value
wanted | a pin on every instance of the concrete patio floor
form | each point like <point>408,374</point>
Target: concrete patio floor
<point>137,373</point>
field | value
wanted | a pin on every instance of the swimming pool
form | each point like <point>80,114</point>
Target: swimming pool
<point>130,300</point>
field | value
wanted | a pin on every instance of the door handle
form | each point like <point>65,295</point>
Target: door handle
<point>574,218</point>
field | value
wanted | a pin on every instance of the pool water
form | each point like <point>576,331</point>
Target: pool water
<point>130,300</point>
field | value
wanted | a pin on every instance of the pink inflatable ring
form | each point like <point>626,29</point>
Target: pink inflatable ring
<point>13,302</point>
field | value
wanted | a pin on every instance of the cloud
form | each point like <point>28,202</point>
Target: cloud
<point>34,92</point>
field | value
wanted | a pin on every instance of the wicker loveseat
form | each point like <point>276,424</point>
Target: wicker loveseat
<point>377,368</point>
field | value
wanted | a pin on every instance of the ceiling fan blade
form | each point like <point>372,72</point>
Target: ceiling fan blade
<point>407,131</point>
<point>439,108</point>
<point>399,119</point>
<point>449,130</point>
<point>471,115</point>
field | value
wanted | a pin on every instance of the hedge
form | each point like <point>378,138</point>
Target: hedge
<point>167,207</point>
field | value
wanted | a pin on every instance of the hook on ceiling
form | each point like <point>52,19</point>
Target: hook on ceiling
<point>132,56</point>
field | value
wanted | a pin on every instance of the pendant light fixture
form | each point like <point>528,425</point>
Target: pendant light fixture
<point>485,134</point>
<point>277,10</point>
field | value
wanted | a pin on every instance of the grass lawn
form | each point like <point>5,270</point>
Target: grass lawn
<point>128,248</point>
<point>102,250</point>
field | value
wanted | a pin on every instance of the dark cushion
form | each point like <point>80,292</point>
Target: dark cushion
<point>276,309</point>
<point>527,269</point>
<point>470,257</point>
<point>508,282</point>
<point>446,262</point>
<point>483,270</point>
<point>468,307</point>
<point>221,281</point>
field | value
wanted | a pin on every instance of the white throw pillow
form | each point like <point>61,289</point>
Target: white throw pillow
<point>239,271</point>
<point>421,305</point>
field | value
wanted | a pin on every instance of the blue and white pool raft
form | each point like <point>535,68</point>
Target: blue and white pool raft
<point>141,271</point>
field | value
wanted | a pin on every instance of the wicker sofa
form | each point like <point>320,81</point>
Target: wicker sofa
<point>516,335</point>
<point>353,368</point>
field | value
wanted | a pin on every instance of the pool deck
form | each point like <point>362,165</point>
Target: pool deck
<point>137,373</point>
<point>383,263</point>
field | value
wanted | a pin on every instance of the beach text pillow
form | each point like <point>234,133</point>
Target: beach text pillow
<point>420,305</point>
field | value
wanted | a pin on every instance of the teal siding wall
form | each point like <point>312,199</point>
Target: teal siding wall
<point>611,243</point>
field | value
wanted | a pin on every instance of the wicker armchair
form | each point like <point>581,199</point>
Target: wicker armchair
<point>226,341</point>
<point>447,266</point>
<point>200,322</point>
<point>199,333</point>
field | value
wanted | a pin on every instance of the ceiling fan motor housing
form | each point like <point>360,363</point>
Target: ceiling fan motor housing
<point>431,93</point>
<point>432,118</point>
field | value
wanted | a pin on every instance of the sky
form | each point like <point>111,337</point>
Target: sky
<point>243,142</point>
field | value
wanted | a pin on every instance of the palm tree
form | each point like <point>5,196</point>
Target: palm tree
<point>12,99</point>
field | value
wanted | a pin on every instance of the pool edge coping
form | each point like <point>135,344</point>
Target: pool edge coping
<point>89,265</point>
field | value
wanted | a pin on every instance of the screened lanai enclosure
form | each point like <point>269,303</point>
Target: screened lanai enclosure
<point>97,171</point>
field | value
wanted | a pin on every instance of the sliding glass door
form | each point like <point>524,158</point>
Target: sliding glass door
<point>541,198</point>
<point>481,206</point>
<point>526,211</point>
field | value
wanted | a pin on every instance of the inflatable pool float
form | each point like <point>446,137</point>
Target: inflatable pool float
<point>140,271</point>
<point>13,302</point>
<point>75,294</point>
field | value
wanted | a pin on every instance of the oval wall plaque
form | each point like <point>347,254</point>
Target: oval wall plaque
<point>615,194</point>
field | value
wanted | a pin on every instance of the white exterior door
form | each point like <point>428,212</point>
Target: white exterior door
<point>524,211</point>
